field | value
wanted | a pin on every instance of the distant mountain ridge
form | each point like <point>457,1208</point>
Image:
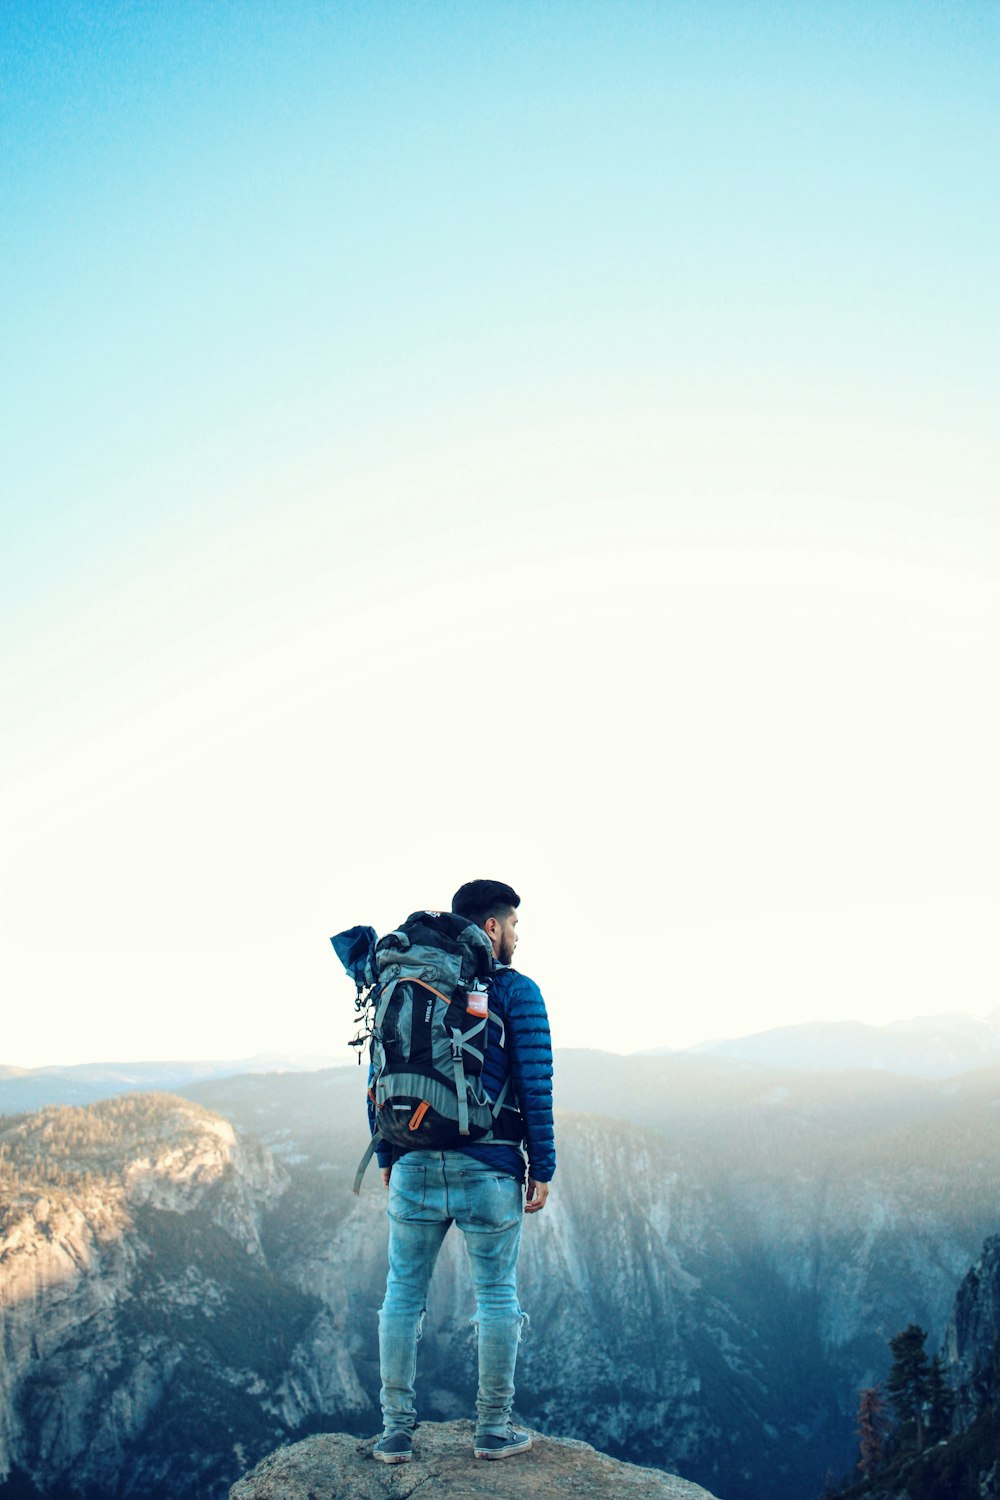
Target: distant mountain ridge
<point>27,1089</point>
<point>922,1047</point>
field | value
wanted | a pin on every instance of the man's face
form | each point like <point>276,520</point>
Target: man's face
<point>502,933</point>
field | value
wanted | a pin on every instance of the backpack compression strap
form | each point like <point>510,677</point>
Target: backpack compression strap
<point>363,1163</point>
<point>460,1044</point>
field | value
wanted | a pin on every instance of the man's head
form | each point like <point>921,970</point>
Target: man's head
<point>493,907</point>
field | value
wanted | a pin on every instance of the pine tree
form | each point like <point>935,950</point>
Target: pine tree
<point>941,1402</point>
<point>872,1426</point>
<point>908,1379</point>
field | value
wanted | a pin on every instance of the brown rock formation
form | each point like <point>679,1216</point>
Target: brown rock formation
<point>334,1466</point>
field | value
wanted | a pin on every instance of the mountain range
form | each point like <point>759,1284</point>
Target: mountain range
<point>86,1083</point>
<point>184,1283</point>
<point>924,1047</point>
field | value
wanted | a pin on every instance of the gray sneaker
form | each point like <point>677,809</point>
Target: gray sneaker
<point>394,1448</point>
<point>497,1445</point>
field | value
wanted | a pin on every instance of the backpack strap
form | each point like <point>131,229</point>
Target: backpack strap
<point>384,998</point>
<point>460,1044</point>
<point>498,1106</point>
<point>494,1140</point>
<point>363,1163</point>
<point>461,1094</point>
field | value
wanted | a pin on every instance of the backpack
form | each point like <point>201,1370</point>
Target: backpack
<point>423,993</point>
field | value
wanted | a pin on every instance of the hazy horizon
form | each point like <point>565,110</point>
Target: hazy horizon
<point>347,1056</point>
<point>550,442</point>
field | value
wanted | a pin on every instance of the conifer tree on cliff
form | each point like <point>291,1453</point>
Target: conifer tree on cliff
<point>908,1382</point>
<point>872,1426</point>
<point>941,1402</point>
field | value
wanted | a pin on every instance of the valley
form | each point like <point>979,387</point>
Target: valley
<point>187,1282</point>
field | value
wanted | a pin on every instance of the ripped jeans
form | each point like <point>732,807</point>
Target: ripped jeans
<point>428,1192</point>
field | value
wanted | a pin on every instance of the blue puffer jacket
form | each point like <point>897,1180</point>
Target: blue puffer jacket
<point>526,1058</point>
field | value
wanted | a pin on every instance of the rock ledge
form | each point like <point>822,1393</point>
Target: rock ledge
<point>334,1466</point>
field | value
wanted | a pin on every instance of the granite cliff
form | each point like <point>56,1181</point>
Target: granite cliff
<point>146,1344</point>
<point>719,1271</point>
<point>726,1256</point>
<point>972,1341</point>
<point>965,1463</point>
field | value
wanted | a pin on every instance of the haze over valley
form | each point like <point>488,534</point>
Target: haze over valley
<point>188,1282</point>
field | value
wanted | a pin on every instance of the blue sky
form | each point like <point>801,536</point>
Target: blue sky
<point>556,441</point>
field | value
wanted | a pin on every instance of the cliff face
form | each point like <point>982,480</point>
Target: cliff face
<point>718,1272</point>
<point>176,1303</point>
<point>716,1275</point>
<point>145,1342</point>
<point>972,1342</point>
<point>970,1460</point>
<point>967,1462</point>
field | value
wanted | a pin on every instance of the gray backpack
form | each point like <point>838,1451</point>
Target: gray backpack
<point>429,1012</point>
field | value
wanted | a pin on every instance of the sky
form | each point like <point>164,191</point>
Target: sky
<point>542,441</point>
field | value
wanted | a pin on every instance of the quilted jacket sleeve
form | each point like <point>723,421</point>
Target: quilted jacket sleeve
<point>530,1046</point>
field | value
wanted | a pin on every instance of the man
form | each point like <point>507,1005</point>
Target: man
<point>479,1187</point>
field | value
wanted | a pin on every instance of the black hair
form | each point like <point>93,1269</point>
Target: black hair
<point>481,899</point>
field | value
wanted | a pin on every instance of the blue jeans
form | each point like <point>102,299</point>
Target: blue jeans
<point>428,1192</point>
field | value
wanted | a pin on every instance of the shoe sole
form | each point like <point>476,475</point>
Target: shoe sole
<point>511,1452</point>
<point>392,1458</point>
